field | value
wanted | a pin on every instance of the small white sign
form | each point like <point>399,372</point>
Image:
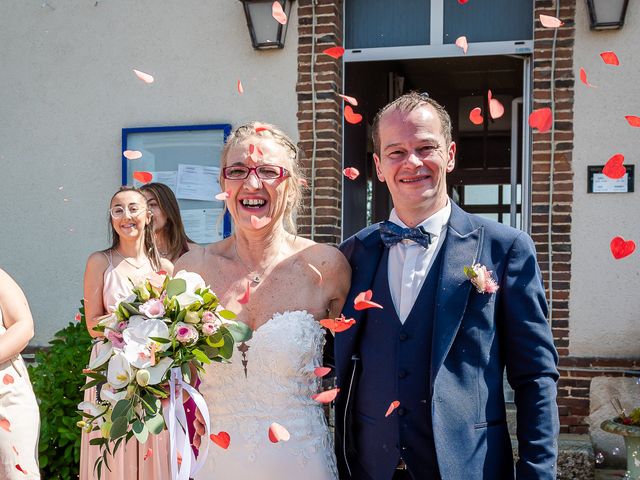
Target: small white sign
<point>604,184</point>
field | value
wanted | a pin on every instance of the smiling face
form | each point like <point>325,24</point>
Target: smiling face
<point>253,195</point>
<point>130,225</point>
<point>413,161</point>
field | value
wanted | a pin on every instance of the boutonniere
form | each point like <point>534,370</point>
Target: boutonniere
<point>481,278</point>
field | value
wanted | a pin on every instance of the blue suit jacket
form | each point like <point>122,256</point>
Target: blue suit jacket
<point>475,337</point>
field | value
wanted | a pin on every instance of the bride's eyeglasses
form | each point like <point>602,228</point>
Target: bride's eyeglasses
<point>263,172</point>
<point>134,210</point>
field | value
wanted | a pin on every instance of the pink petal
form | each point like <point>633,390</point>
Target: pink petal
<point>335,52</point>
<point>278,13</point>
<point>145,77</point>
<point>321,371</point>
<point>303,182</point>
<point>476,116</point>
<point>78,317</point>
<point>349,99</point>
<point>610,58</point>
<point>149,453</point>
<point>244,299</point>
<point>350,116</point>
<point>395,404</point>
<point>5,424</point>
<point>496,109</point>
<point>143,177</point>
<point>633,120</point>
<point>277,433</point>
<point>223,195</point>
<point>316,271</point>
<point>351,173</point>
<point>363,301</point>
<point>7,379</point>
<point>132,154</point>
<point>240,88</point>
<point>550,22</point>
<point>327,396</point>
<point>259,223</point>
<point>462,43</point>
<point>583,78</point>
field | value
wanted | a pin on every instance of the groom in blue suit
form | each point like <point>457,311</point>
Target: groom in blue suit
<point>445,333</point>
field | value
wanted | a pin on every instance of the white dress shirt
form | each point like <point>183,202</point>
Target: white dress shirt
<point>409,262</point>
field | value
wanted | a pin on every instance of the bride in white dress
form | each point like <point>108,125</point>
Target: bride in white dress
<point>280,285</point>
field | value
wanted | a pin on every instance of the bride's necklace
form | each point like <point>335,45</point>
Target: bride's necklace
<point>134,265</point>
<point>253,275</point>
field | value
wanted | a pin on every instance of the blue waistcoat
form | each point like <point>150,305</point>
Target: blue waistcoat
<point>395,365</point>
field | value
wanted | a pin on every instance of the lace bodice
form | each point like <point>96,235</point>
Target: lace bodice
<point>280,380</point>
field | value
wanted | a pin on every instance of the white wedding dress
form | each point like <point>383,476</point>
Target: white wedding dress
<point>279,382</point>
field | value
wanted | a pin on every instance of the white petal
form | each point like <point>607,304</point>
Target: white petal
<point>119,371</point>
<point>103,353</point>
<point>157,372</point>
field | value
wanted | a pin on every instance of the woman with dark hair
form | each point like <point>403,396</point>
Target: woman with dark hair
<point>108,280</point>
<point>171,240</point>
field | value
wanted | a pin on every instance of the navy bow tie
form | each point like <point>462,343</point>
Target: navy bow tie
<point>392,234</point>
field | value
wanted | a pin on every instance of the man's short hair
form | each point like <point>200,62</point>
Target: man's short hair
<point>407,103</point>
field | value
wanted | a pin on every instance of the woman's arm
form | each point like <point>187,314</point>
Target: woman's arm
<point>16,316</point>
<point>93,289</point>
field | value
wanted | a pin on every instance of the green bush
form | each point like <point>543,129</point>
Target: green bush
<point>57,378</point>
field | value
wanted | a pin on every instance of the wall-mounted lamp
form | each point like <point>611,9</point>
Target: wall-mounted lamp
<point>265,31</point>
<point>607,14</point>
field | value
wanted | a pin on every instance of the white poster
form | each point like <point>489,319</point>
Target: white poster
<point>168,177</point>
<point>197,182</point>
<point>203,225</point>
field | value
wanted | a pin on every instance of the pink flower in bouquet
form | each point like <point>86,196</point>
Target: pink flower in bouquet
<point>210,328</point>
<point>116,339</point>
<point>186,333</point>
<point>208,316</point>
<point>153,308</point>
<point>122,325</point>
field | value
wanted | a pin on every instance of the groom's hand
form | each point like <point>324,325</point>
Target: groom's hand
<point>198,423</point>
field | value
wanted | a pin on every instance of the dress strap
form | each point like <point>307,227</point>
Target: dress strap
<point>109,257</point>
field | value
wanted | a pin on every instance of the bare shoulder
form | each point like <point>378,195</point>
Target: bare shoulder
<point>326,258</point>
<point>98,261</point>
<point>190,259</point>
<point>7,284</point>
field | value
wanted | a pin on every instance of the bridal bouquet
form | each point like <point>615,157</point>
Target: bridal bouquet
<point>153,343</point>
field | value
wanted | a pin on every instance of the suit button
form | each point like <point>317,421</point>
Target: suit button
<point>401,411</point>
<point>402,374</point>
<point>403,336</point>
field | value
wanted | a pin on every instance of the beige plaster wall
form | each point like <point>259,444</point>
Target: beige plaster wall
<point>66,91</point>
<point>605,298</point>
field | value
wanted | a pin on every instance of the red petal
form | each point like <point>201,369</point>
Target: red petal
<point>179,458</point>
<point>149,453</point>
<point>610,58</point>
<point>78,317</point>
<point>633,120</point>
<point>21,469</point>
<point>550,22</point>
<point>260,128</point>
<point>583,78</point>
<point>321,371</point>
<point>614,168</point>
<point>7,379</point>
<point>350,116</point>
<point>143,177</point>
<point>337,325</point>
<point>335,52</point>
<point>132,154</point>
<point>223,195</point>
<point>5,424</point>
<point>542,119</point>
<point>222,439</point>
<point>316,271</point>
<point>145,77</point>
<point>161,272</point>
<point>476,116</point>
<point>462,43</point>
<point>462,2</point>
<point>349,99</point>
<point>278,13</point>
<point>277,433</point>
<point>621,248</point>
<point>258,222</point>
<point>240,88</point>
<point>362,301</point>
<point>245,296</point>
<point>395,404</point>
<point>351,173</point>
<point>327,396</point>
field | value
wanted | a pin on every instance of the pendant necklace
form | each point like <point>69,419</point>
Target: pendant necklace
<point>253,275</point>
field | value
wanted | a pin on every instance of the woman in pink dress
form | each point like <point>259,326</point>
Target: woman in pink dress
<point>107,280</point>
<point>19,414</point>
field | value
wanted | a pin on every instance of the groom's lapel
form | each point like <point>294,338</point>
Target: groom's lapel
<point>461,248</point>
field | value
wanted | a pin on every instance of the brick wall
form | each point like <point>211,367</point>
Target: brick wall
<point>327,79</point>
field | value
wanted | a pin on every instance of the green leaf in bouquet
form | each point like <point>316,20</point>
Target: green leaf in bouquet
<point>155,424</point>
<point>156,391</point>
<point>96,376</point>
<point>227,314</point>
<point>150,403</point>
<point>201,356</point>
<point>160,339</point>
<point>211,352</point>
<point>181,316</point>
<point>90,384</point>
<point>119,428</point>
<point>215,340</point>
<point>123,312</point>
<point>226,350</point>
<point>98,441</point>
<point>130,308</point>
<point>186,372</point>
<point>239,331</point>
<point>122,409</point>
<point>140,430</point>
<point>176,287</point>
<point>208,297</point>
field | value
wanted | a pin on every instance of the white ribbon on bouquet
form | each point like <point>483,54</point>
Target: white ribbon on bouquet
<point>176,420</point>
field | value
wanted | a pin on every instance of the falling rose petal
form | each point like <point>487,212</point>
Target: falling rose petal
<point>145,77</point>
<point>321,371</point>
<point>351,173</point>
<point>149,453</point>
<point>335,52</point>
<point>337,325</point>
<point>143,177</point>
<point>349,99</point>
<point>87,370</point>
<point>260,128</point>
<point>621,248</point>
<point>542,119</point>
<point>78,317</point>
<point>223,195</point>
<point>461,42</point>
<point>462,2</point>
<point>252,148</point>
<point>278,13</point>
<point>496,109</point>
<point>583,78</point>
<point>20,469</point>
<point>350,116</point>
<point>259,151</point>
<point>277,433</point>
<point>5,425</point>
<point>550,22</point>
<point>7,379</point>
<point>179,458</point>
<point>258,222</point>
<point>303,182</point>
<point>132,154</point>
<point>240,88</point>
<point>614,168</point>
<point>395,404</point>
<point>475,116</point>
<point>363,301</point>
<point>316,271</point>
<point>610,58</point>
<point>222,439</point>
<point>633,120</point>
<point>244,299</point>
<point>327,396</point>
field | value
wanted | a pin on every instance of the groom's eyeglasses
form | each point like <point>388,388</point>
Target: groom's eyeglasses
<point>263,172</point>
